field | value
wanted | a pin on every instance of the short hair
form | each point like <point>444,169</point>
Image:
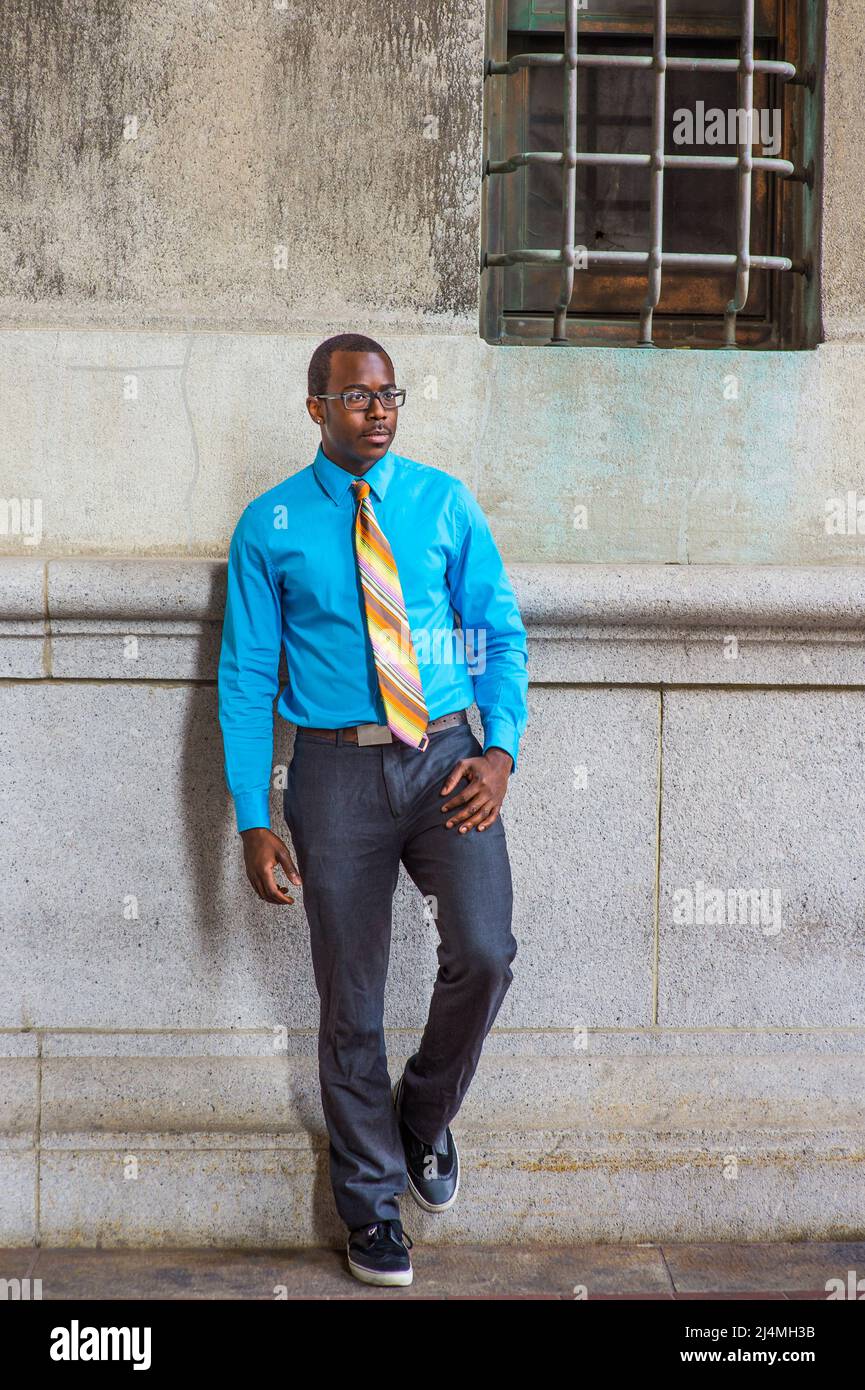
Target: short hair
<point>318,372</point>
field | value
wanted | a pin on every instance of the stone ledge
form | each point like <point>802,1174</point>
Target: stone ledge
<point>84,1098</point>
<point>526,1187</point>
<point>163,591</point>
<point>194,1096</point>
<point>614,1147</point>
<point>72,619</point>
<point>510,1191</point>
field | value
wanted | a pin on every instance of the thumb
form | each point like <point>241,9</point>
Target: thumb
<point>285,859</point>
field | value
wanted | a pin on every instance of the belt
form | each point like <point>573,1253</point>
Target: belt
<point>365,734</point>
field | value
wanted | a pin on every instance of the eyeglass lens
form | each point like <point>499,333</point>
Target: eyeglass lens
<point>359,400</point>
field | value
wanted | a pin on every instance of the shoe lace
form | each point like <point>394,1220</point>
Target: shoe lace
<point>391,1231</point>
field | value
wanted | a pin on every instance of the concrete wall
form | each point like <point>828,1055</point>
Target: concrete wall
<point>153,352</point>
<point>650,1074</point>
<point>697,688</point>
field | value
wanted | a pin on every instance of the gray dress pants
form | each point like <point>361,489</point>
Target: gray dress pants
<point>354,813</point>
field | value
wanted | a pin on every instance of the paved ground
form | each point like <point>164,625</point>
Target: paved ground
<point>796,1270</point>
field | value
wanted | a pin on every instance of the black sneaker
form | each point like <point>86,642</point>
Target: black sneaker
<point>433,1178</point>
<point>377,1254</point>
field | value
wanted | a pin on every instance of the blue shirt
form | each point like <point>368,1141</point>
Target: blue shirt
<point>293,582</point>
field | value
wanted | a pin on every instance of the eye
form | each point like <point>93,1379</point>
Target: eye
<point>356,397</point>
<point>388,397</point>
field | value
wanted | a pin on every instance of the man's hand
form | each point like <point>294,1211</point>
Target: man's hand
<point>262,851</point>
<point>481,800</point>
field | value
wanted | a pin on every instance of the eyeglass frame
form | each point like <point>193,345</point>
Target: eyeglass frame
<point>373,396</point>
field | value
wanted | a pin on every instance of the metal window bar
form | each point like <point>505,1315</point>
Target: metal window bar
<point>655,258</point>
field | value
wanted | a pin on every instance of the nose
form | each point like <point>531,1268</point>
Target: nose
<point>376,410</point>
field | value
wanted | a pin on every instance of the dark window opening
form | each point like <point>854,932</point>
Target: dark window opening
<point>525,211</point>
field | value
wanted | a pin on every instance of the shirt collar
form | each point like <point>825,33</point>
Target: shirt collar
<point>337,481</point>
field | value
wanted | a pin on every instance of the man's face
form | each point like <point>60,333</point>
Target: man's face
<point>356,439</point>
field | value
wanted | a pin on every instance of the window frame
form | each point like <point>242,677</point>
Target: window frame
<point>792,318</point>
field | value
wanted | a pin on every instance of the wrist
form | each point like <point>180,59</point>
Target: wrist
<point>498,755</point>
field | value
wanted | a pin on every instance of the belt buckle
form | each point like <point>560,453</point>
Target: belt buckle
<point>373,733</point>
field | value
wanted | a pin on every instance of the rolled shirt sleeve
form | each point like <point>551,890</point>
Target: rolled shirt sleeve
<point>482,595</point>
<point>248,674</point>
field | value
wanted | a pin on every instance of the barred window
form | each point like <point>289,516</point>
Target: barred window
<point>651,172</point>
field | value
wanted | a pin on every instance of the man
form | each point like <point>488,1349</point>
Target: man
<point>356,566</point>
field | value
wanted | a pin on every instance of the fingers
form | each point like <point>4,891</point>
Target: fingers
<point>474,821</point>
<point>472,813</point>
<point>463,798</point>
<point>464,768</point>
<point>267,888</point>
<point>475,802</point>
<point>288,865</point>
<point>479,802</point>
<point>454,776</point>
<point>490,818</point>
<point>262,852</point>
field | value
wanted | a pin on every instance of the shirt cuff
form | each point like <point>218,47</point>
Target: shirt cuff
<point>501,733</point>
<point>252,809</point>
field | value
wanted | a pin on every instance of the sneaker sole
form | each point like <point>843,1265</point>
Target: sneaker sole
<point>386,1278</point>
<point>422,1201</point>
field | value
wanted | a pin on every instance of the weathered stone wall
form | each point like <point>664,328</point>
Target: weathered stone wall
<point>160,296</point>
<point>652,1073</point>
<point>690,723</point>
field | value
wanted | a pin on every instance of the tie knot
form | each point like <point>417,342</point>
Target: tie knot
<point>361,488</point>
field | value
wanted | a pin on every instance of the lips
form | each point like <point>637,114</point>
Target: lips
<point>376,434</point>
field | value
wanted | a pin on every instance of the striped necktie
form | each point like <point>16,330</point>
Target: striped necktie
<point>387,625</point>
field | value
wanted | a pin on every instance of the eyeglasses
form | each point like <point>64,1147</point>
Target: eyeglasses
<point>390,398</point>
